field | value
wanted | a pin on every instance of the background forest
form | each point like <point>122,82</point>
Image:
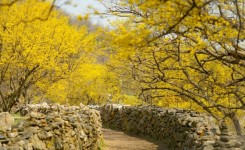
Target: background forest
<point>180,53</point>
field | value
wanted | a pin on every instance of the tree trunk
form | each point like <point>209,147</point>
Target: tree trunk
<point>236,124</point>
<point>5,109</point>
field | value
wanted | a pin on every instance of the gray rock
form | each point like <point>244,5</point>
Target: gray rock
<point>25,135</point>
<point>2,137</point>
<point>225,138</point>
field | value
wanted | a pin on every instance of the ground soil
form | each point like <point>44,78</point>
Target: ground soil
<point>117,140</point>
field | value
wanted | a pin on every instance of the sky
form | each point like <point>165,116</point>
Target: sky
<point>80,7</point>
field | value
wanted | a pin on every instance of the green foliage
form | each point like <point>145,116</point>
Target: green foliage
<point>18,118</point>
<point>101,145</point>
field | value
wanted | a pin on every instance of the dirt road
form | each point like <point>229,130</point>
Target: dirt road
<point>116,140</point>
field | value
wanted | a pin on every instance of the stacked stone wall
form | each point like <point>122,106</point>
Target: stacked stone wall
<point>54,127</point>
<point>179,129</point>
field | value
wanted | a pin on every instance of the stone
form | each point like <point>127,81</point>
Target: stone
<point>36,115</point>
<point>48,128</point>
<point>173,126</point>
<point>72,146</point>
<point>216,131</point>
<point>20,129</point>
<point>225,138</point>
<point>6,121</point>
<point>71,119</point>
<point>57,132</point>
<point>33,129</point>
<point>42,123</point>
<point>58,143</point>
<point>28,146</point>
<point>37,143</point>
<point>208,147</point>
<point>34,122</point>
<point>233,143</point>
<point>2,137</point>
<point>238,144</point>
<point>73,133</point>
<point>15,147</point>
<point>43,135</point>
<point>55,125</point>
<point>66,123</point>
<point>83,107</point>
<point>61,121</point>
<point>4,141</point>
<point>82,134</point>
<point>25,135</point>
<point>54,128</point>
<point>74,125</point>
<point>50,118</point>
<point>21,143</point>
<point>12,134</point>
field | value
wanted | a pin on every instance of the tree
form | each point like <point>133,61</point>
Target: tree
<point>90,83</point>
<point>196,55</point>
<point>35,51</point>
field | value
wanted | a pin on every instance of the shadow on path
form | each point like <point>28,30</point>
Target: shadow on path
<point>118,140</point>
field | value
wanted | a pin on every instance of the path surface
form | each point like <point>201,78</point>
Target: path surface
<point>116,140</point>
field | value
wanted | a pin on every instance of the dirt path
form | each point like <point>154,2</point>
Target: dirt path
<point>116,140</point>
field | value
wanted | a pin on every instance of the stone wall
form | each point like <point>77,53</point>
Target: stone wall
<point>54,128</point>
<point>179,129</point>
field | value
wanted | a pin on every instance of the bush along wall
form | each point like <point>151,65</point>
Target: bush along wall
<point>54,128</point>
<point>179,129</point>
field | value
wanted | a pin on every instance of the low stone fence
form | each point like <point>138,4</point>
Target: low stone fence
<point>179,129</point>
<point>54,128</point>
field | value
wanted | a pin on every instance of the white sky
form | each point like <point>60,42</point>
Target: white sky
<point>82,9</point>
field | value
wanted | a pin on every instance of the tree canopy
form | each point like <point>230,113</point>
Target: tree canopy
<point>171,53</point>
<point>43,56</point>
<point>189,49</point>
